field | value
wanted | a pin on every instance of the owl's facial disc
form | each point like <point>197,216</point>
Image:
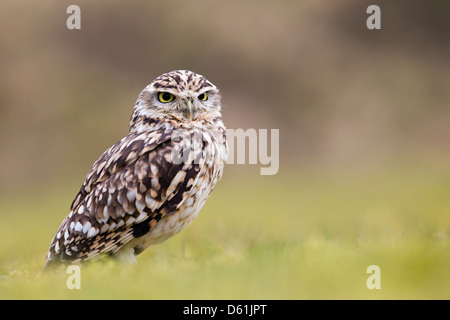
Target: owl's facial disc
<point>180,95</point>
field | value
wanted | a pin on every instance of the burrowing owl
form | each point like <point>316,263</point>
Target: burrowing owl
<point>151,184</point>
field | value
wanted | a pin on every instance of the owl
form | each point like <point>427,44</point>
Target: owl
<point>152,183</point>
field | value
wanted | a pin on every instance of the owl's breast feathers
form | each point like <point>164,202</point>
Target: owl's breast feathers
<point>144,179</point>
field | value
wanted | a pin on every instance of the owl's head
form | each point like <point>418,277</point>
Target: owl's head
<point>179,95</point>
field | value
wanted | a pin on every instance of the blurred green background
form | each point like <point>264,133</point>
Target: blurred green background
<point>364,122</point>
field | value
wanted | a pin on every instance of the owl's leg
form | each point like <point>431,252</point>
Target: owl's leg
<point>126,254</point>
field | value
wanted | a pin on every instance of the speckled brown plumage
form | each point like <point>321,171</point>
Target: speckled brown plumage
<point>152,183</point>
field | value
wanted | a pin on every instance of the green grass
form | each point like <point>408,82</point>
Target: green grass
<point>302,236</point>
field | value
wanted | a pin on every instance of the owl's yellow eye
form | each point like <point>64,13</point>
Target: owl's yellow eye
<point>203,96</point>
<point>165,97</point>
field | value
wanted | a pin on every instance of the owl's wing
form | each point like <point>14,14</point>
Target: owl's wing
<point>127,191</point>
<point>121,154</point>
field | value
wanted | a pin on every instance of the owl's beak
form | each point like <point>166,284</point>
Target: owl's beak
<point>188,112</point>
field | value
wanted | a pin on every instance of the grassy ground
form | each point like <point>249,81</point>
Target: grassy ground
<point>302,236</point>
